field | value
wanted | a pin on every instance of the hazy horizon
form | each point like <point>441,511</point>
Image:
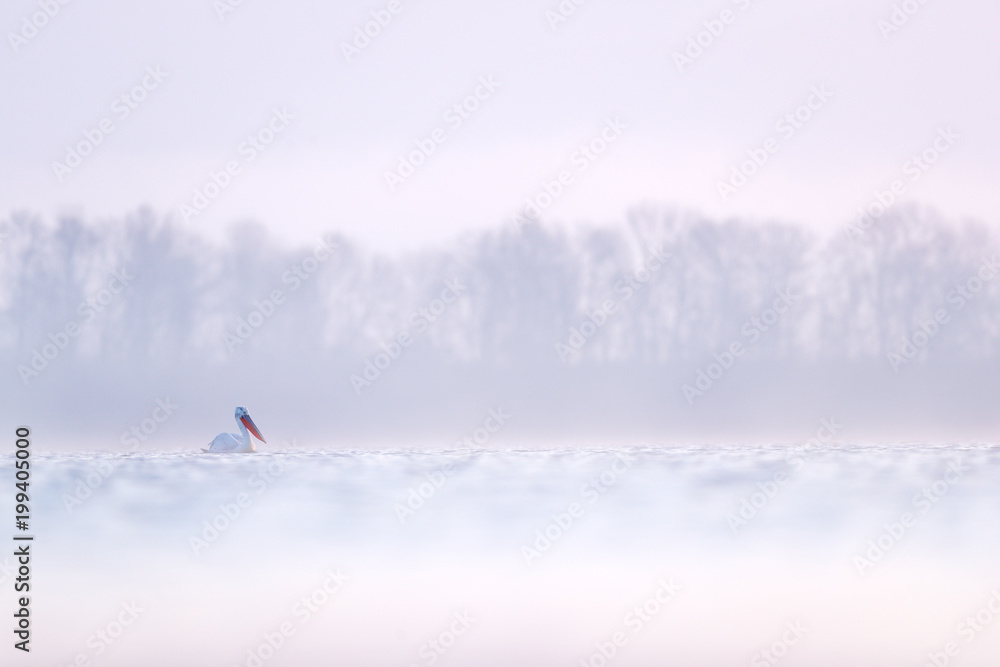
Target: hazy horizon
<point>665,328</point>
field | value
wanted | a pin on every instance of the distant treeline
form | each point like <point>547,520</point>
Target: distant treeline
<point>144,298</point>
<point>661,286</point>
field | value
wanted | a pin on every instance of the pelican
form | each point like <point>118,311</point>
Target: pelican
<point>226,443</point>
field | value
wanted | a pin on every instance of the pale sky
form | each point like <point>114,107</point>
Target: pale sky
<point>673,134</point>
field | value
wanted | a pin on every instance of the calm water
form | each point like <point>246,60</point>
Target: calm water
<point>657,556</point>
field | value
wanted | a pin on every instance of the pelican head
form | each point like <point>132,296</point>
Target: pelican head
<point>243,417</point>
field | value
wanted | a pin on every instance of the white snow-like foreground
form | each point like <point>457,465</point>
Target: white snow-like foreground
<point>657,556</point>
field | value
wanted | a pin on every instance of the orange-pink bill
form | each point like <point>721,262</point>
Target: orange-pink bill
<point>252,428</point>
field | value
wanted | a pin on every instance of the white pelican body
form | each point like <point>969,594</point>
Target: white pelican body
<point>233,443</point>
